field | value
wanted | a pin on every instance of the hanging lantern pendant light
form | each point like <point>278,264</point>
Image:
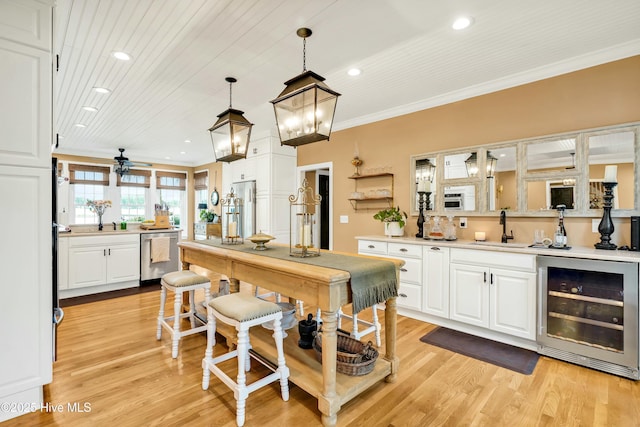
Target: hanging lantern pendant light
<point>305,108</point>
<point>231,133</point>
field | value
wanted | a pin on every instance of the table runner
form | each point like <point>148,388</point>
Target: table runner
<point>372,281</point>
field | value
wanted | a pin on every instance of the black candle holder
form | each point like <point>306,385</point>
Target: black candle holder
<point>421,202</point>
<point>606,224</point>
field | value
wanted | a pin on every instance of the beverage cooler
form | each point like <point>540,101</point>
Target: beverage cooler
<point>589,313</point>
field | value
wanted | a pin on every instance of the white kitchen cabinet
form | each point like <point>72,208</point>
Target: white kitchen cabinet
<point>410,287</point>
<point>103,260</point>
<point>25,191</point>
<point>436,281</point>
<point>494,292</point>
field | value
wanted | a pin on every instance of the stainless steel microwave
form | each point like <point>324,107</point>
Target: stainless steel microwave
<point>453,202</point>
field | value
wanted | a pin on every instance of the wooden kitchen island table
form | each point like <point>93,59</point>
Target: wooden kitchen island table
<point>318,286</point>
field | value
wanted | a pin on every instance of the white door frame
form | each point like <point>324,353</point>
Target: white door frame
<point>300,176</point>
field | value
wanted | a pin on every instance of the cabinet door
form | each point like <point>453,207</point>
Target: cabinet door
<point>123,263</point>
<point>26,87</point>
<point>469,294</point>
<point>436,281</point>
<point>87,266</point>
<point>513,303</point>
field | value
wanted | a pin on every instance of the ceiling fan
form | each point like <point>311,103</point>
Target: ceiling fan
<point>123,164</point>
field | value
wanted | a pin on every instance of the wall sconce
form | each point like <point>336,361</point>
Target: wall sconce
<point>305,108</point>
<point>231,132</point>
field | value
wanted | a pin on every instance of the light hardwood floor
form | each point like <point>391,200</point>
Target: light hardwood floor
<point>109,359</point>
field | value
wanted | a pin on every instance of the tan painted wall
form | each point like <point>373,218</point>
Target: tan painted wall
<point>599,96</point>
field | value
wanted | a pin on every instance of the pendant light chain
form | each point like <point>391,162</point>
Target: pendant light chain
<point>230,86</point>
<point>304,54</point>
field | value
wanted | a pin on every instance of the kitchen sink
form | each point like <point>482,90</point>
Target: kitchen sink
<point>501,245</point>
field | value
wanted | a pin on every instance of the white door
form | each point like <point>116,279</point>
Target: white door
<point>513,303</point>
<point>469,293</point>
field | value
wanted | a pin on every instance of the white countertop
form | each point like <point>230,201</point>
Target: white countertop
<point>574,252</point>
<point>93,231</point>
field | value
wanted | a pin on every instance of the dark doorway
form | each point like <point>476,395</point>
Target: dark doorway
<point>323,190</point>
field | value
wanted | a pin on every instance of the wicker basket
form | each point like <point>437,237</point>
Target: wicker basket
<point>352,357</point>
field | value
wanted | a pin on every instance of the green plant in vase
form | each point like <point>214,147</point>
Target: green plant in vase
<point>393,219</point>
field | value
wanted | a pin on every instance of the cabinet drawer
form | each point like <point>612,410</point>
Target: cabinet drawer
<point>488,258</point>
<point>112,239</point>
<point>372,247</point>
<point>409,296</point>
<point>405,250</point>
<point>411,271</point>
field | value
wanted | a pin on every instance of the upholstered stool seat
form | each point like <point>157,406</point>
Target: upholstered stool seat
<point>180,282</point>
<point>243,311</point>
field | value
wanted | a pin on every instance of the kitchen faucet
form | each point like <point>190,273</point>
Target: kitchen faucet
<point>503,222</point>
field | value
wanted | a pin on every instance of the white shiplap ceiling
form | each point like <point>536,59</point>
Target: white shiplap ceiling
<point>411,59</point>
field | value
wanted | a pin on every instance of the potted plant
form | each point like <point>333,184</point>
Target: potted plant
<point>207,216</point>
<point>393,219</point>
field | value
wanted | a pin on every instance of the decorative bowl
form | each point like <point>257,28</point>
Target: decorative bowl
<point>260,239</point>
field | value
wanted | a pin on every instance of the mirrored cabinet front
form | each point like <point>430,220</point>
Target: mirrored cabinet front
<point>532,177</point>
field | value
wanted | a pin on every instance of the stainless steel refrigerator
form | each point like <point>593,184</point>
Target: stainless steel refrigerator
<point>246,190</point>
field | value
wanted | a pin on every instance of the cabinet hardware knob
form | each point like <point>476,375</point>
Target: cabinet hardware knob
<point>491,278</point>
<point>104,252</point>
<point>403,250</point>
<point>371,247</point>
<point>402,295</point>
<point>485,277</point>
<point>404,270</point>
<point>435,248</point>
<point>109,251</point>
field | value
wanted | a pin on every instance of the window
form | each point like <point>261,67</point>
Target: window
<point>200,185</point>
<point>133,194</point>
<point>171,191</point>
<point>88,183</point>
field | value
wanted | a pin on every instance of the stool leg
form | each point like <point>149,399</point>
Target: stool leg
<point>163,300</point>
<point>282,366</point>
<point>354,328</point>
<point>340,318</point>
<point>242,378</point>
<point>177,306</point>
<point>208,353</point>
<point>300,307</point>
<point>192,308</point>
<point>376,324</point>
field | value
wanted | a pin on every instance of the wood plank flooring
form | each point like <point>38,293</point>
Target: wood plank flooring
<point>111,365</point>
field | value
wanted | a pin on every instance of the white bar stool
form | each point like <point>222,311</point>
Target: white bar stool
<point>373,326</point>
<point>180,282</point>
<point>243,311</point>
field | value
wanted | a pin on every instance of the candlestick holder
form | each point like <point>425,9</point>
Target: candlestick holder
<point>232,224</point>
<point>303,208</point>
<point>421,195</point>
<point>606,224</point>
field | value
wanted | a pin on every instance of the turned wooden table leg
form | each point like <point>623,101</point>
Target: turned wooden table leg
<point>329,401</point>
<point>390,333</point>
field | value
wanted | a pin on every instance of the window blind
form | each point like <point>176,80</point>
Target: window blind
<point>135,178</point>
<point>171,180</point>
<point>200,180</point>
<point>88,174</point>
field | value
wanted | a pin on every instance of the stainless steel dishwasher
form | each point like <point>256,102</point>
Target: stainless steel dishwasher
<point>151,272</point>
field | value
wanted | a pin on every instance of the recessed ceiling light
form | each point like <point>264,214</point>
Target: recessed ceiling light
<point>462,23</point>
<point>167,158</point>
<point>80,125</point>
<point>354,72</point>
<point>188,141</point>
<point>121,56</point>
<point>183,152</point>
<point>89,108</point>
<point>101,90</point>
